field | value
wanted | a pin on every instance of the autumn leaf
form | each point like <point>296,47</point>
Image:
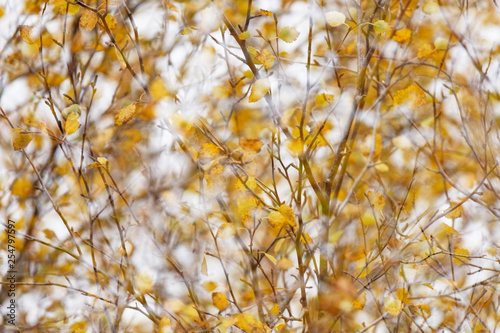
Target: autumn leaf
<point>20,138</point>
<point>210,285</point>
<point>120,58</point>
<point>259,89</point>
<point>208,150</point>
<point>220,301</point>
<point>251,145</point>
<point>158,89</point>
<point>245,35</point>
<point>72,124</point>
<point>88,20</point>
<point>60,7</point>
<point>101,162</point>
<point>456,213</point>
<point>441,43</point>
<point>377,200</point>
<point>461,256</point>
<point>266,12</point>
<point>381,26</point>
<point>284,216</point>
<point>430,7</point>
<point>271,258</point>
<point>335,18</point>
<point>125,114</point>
<point>248,323</point>
<point>366,146</point>
<point>393,306</point>
<point>402,36</point>
<point>425,51</point>
<point>359,303</point>
<point>266,58</point>
<point>204,268</point>
<point>22,187</point>
<point>288,34</point>
<point>284,264</point>
<point>25,31</point>
<point>412,96</point>
<point>144,283</point>
<point>323,99</point>
<point>226,230</point>
<point>110,20</point>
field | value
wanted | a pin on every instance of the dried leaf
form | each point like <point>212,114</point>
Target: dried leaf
<point>101,162</point>
<point>456,213</point>
<point>250,145</point>
<point>88,20</point>
<point>266,12</point>
<point>125,114</point>
<point>25,31</point>
<point>204,268</point>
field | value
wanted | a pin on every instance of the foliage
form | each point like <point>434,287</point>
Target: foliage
<point>252,166</point>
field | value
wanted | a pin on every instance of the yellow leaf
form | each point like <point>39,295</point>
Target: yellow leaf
<point>377,200</point>
<point>445,231</point>
<point>430,7</point>
<point>220,301</point>
<point>456,213</point>
<point>158,89</point>
<point>125,114</point>
<point>60,7</point>
<point>366,146</point>
<point>144,283</point>
<point>393,306</point>
<point>276,220</point>
<point>441,43</point>
<point>20,138</point>
<point>402,36</point>
<point>381,26</point>
<point>288,214</point>
<point>284,264</point>
<point>88,20</point>
<point>359,303</point>
<point>422,310</point>
<point>275,309</point>
<point>164,325</point>
<point>72,124</point>
<point>208,150</point>
<point>226,230</point>
<point>335,18</point>
<point>402,295</point>
<point>288,34</point>
<point>424,51</point>
<point>186,31</point>
<point>22,187</point>
<point>296,146</point>
<point>249,324</point>
<point>209,286</point>
<point>462,255</point>
<point>246,206</point>
<point>323,100</point>
<point>266,12</point>
<point>101,162</point>
<point>204,268</point>
<point>245,35</point>
<point>250,145</point>
<point>271,258</point>
<point>412,96</point>
<point>110,21</point>
<point>250,183</point>
<point>73,108</point>
<point>266,58</point>
<point>25,31</point>
<point>120,58</point>
<point>220,92</point>
<point>259,89</point>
